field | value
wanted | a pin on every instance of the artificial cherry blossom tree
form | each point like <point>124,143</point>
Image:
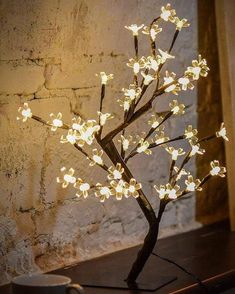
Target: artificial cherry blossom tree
<point>120,182</point>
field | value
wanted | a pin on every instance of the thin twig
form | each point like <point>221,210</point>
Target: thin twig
<point>153,145</point>
<point>39,119</point>
<point>207,138</point>
<point>104,167</point>
<point>102,94</point>
<point>171,169</point>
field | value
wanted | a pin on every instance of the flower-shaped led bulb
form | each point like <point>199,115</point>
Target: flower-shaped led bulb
<point>172,191</point>
<point>104,117</point>
<point>185,83</point>
<point>115,173</point>
<point>177,108</point>
<point>134,29</point>
<point>133,92</point>
<point>25,112</point>
<point>168,79</point>
<point>199,68</point>
<point>195,149</point>
<point>125,141</point>
<point>96,157</point>
<point>167,13</point>
<point>153,62</point>
<point>164,56</point>
<point>181,23</point>
<point>143,147</point>
<point>152,31</point>
<point>125,102</point>
<point>104,77</point>
<point>216,169</point>
<point>137,64</point>
<point>132,188</point>
<point>103,192</point>
<point>161,190</point>
<point>71,137</point>
<point>192,185</point>
<point>56,121</point>
<point>118,189</point>
<point>82,188</point>
<point>175,153</point>
<point>154,121</point>
<point>147,78</point>
<point>160,137</point>
<point>190,133</point>
<point>88,131</point>
<point>67,177</point>
<point>77,123</point>
<point>222,132</point>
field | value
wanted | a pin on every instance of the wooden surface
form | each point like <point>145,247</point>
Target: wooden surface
<point>207,252</point>
<point>225,21</point>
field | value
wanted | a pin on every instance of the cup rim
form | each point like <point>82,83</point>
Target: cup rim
<point>19,280</point>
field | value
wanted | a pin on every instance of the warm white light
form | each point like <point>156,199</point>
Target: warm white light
<point>165,55</point>
<point>82,188</point>
<point>67,177</point>
<point>190,133</point>
<point>25,111</point>
<point>143,147</point>
<point>96,157</point>
<point>177,108</point>
<point>56,121</point>
<point>167,13</point>
<point>153,31</point>
<point>199,68</point>
<point>147,78</point>
<point>196,149</point>
<point>115,173</point>
<point>216,169</point>
<point>134,29</point>
<point>104,117</point>
<point>192,185</point>
<point>104,77</point>
<point>71,137</point>
<point>181,23</point>
<point>175,153</point>
<point>222,132</point>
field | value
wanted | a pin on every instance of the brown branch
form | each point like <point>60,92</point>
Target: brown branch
<point>153,145</point>
<point>104,167</point>
<point>102,94</point>
<point>185,192</point>
<point>66,127</point>
<point>133,151</point>
<point>171,169</point>
<point>147,106</point>
<point>39,119</point>
<point>207,138</point>
<point>173,41</point>
<point>152,130</point>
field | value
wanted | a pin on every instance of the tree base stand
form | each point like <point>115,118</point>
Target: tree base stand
<point>113,282</point>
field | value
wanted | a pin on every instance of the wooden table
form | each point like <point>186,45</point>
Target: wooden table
<point>208,252</point>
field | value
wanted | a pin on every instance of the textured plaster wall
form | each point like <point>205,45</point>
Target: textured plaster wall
<point>50,52</point>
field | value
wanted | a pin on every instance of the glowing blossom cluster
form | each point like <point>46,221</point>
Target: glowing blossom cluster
<point>117,186</point>
<point>146,69</point>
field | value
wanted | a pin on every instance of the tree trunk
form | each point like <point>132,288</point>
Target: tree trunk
<point>147,248</point>
<point>153,221</point>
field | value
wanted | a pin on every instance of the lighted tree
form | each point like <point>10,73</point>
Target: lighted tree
<point>120,182</point>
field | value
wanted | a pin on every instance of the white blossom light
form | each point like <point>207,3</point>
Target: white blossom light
<point>222,132</point>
